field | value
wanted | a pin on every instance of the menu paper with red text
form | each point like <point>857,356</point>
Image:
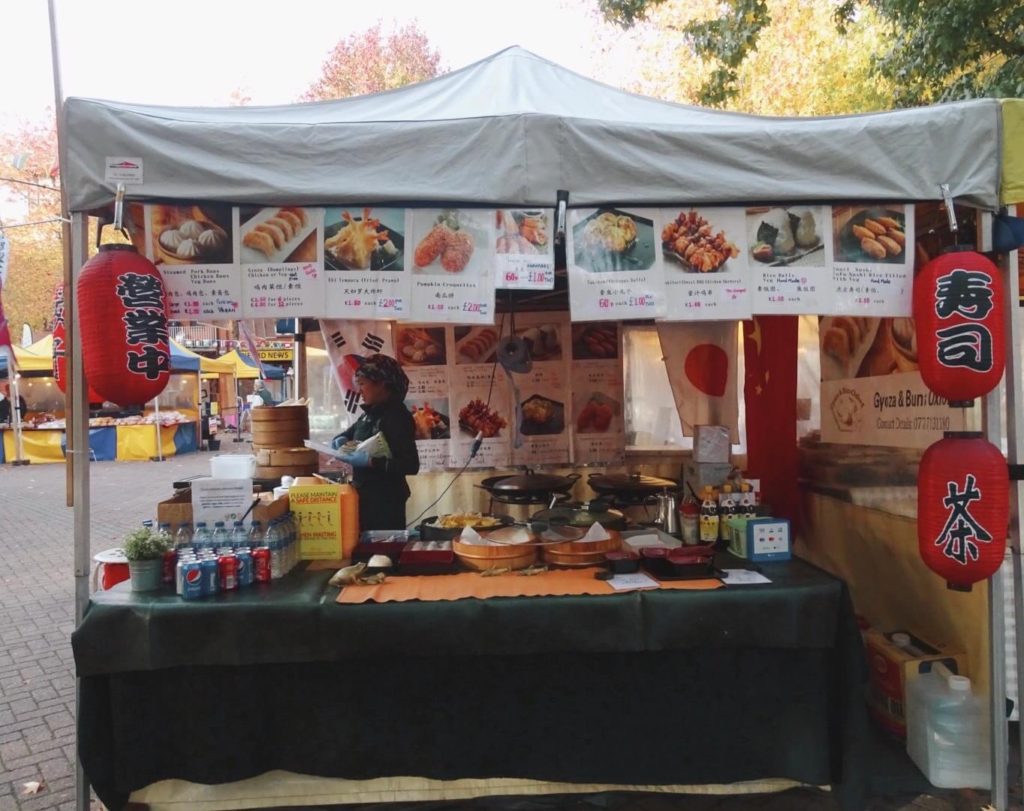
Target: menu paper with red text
<point>598,395</point>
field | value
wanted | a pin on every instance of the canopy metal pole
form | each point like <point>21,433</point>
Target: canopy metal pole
<point>159,437</point>
<point>1000,744</point>
<point>78,453</point>
<point>15,398</point>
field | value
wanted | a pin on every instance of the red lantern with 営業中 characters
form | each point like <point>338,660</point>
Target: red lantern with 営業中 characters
<point>958,313</point>
<point>963,509</point>
<point>122,310</point>
<point>60,347</point>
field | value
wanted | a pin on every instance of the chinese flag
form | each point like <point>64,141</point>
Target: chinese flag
<point>769,389</point>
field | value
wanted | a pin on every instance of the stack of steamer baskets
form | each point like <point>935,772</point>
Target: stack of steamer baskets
<point>277,436</point>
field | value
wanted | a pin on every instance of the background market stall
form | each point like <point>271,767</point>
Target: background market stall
<point>514,130</point>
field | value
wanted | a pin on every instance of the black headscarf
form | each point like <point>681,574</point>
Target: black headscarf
<point>385,369</point>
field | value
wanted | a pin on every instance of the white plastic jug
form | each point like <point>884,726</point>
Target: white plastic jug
<point>948,730</point>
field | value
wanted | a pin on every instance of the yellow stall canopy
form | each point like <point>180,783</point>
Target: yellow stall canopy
<point>208,367</point>
<point>243,369</point>
<point>1012,190</point>
<point>36,358</point>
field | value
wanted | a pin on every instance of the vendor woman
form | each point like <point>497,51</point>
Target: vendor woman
<point>380,480</point>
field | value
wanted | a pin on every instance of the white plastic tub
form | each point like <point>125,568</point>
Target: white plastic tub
<point>233,466</point>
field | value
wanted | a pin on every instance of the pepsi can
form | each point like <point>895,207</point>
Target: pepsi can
<point>191,580</point>
<point>211,576</point>
<point>244,567</point>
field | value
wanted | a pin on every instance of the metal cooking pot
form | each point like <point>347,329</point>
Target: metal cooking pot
<point>629,484</point>
<point>582,515</point>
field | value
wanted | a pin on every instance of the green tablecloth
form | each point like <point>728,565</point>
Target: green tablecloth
<point>647,687</point>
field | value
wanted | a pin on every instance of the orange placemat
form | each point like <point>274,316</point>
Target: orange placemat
<point>434,588</point>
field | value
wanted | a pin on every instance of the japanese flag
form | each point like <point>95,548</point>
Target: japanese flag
<point>700,358</point>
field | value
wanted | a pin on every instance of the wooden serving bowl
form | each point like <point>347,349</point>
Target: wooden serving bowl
<point>479,558</point>
<point>582,553</point>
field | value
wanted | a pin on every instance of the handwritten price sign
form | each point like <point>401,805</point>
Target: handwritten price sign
<point>525,272</point>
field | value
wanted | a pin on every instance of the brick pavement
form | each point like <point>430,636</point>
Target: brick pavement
<point>37,735</point>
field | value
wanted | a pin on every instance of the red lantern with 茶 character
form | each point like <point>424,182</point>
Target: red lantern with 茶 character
<point>958,313</point>
<point>122,310</point>
<point>963,509</point>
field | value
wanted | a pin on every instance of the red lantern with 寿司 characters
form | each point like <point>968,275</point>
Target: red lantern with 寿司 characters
<point>122,309</point>
<point>59,341</point>
<point>963,509</point>
<point>958,313</point>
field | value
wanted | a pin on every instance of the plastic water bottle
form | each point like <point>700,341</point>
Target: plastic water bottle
<point>272,540</point>
<point>947,730</point>
<point>183,537</point>
<point>202,538</point>
<point>256,535</point>
<point>221,537</point>
<point>165,528</point>
<point>239,537</point>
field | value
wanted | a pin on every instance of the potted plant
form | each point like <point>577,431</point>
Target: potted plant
<point>144,548</point>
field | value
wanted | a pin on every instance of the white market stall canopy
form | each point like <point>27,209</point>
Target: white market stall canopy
<point>514,128</point>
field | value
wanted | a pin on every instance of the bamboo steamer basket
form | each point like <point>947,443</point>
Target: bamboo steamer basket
<point>279,426</point>
<point>498,556</point>
<point>582,553</point>
<point>277,471</point>
<point>287,457</point>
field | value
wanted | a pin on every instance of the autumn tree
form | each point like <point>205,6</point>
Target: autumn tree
<point>29,188</point>
<point>374,60</point>
<point>935,51</point>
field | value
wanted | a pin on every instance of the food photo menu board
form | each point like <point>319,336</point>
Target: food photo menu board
<point>541,395</point>
<point>422,349</point>
<point>524,252</point>
<point>281,255</point>
<point>195,250</point>
<point>365,263</point>
<point>481,398</point>
<point>790,253</point>
<point>452,265</point>
<point>597,394</point>
<point>873,270</point>
<point>707,267</point>
<point>615,264</point>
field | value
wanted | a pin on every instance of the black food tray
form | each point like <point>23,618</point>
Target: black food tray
<point>664,569</point>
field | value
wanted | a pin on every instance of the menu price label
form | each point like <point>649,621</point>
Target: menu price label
<point>366,264</point>
<point>790,251</point>
<point>873,273</point>
<point>615,265</point>
<point>524,251</point>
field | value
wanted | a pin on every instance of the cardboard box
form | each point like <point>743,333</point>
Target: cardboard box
<point>701,474</point>
<point>177,510</point>
<point>317,512</point>
<point>892,667</point>
<point>711,443</point>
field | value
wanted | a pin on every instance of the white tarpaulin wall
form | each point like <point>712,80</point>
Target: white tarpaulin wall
<point>514,128</point>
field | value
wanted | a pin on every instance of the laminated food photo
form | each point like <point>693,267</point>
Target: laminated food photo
<point>475,344</point>
<point>697,242</point>
<point>276,234</point>
<point>523,232</point>
<point>430,417</point>
<point>780,237</point>
<point>614,240</point>
<point>866,347</point>
<point>595,341</point>
<point>595,412</point>
<point>192,235</point>
<point>420,346</point>
<point>451,241</point>
<point>870,234</point>
<point>543,340</point>
<point>542,416</point>
<point>477,417</point>
<point>364,239</point>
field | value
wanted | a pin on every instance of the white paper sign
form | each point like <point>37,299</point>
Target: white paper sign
<point>632,582</point>
<point>524,250</point>
<point>452,265</point>
<point>598,395</point>
<point>120,169</point>
<point>481,399</point>
<point>743,577</point>
<point>281,254</point>
<point>224,500</point>
<point>366,266</point>
<point>615,265</point>
<point>707,264</point>
<point>790,254</point>
<point>874,259</point>
<point>544,408</point>
<point>423,352</point>
<point>196,251</point>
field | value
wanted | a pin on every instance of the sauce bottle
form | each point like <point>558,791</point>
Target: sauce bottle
<point>747,508</point>
<point>708,517</point>
<point>726,512</point>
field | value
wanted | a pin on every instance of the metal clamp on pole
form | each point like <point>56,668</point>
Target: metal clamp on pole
<point>561,211</point>
<point>119,211</point>
<point>947,200</point>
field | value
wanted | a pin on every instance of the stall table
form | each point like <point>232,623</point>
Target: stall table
<point>650,687</point>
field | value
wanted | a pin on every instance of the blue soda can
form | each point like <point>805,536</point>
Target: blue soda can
<point>191,580</point>
<point>211,577</point>
<point>244,567</point>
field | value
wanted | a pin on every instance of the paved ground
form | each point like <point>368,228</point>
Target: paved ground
<point>37,735</point>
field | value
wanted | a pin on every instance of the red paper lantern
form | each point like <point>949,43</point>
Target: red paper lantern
<point>958,311</point>
<point>59,341</point>
<point>122,309</point>
<point>963,509</point>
